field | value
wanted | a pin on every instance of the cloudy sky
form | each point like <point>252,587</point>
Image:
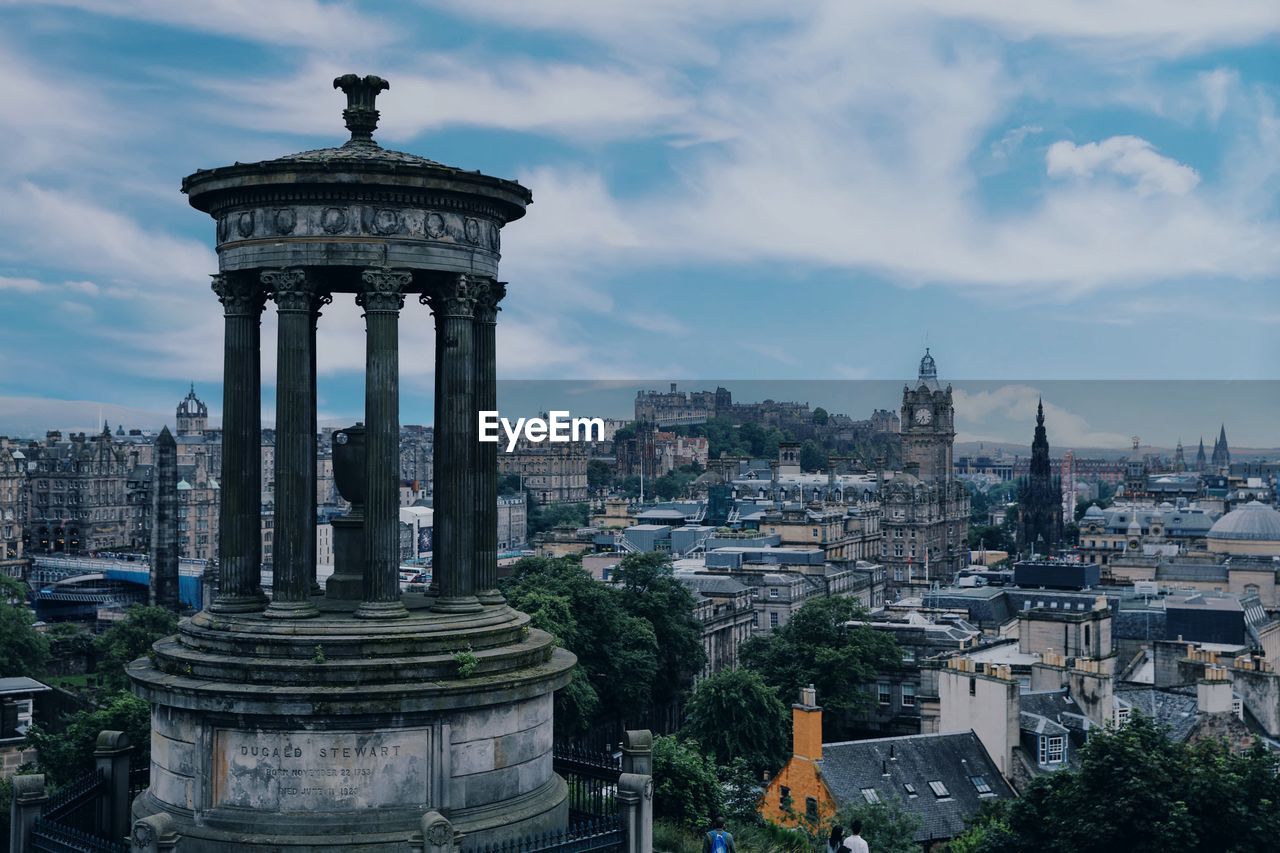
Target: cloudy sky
<point>723,188</point>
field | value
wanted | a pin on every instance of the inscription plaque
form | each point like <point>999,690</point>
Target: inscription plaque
<point>310,771</point>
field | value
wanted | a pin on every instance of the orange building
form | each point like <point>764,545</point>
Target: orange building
<point>939,779</point>
<point>797,793</point>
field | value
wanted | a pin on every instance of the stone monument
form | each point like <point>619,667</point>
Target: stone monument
<point>359,718</point>
<point>164,524</point>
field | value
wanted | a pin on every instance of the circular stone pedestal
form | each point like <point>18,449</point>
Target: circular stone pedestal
<point>336,733</point>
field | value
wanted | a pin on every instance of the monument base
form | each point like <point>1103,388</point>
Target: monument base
<point>337,733</point>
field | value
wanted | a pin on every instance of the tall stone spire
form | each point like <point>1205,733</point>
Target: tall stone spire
<point>164,524</point>
<point>1179,458</point>
<point>1040,497</point>
<point>1221,453</point>
<point>1202,461</point>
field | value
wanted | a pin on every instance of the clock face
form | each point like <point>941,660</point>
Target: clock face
<point>924,416</point>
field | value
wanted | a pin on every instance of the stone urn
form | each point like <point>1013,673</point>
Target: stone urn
<point>349,463</point>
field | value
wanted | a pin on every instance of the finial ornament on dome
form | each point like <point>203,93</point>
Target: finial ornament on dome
<point>361,114</point>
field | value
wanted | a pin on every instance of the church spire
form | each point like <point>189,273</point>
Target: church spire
<point>1040,413</point>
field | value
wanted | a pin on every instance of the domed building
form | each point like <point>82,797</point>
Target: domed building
<point>1250,530</point>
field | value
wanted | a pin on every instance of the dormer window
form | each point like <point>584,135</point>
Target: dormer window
<point>871,796</point>
<point>939,790</point>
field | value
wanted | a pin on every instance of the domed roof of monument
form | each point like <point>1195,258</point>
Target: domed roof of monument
<point>359,160</point>
<point>1254,522</point>
<point>1094,511</point>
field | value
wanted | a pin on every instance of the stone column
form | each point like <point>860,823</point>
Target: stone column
<point>315,461</point>
<point>382,296</point>
<point>29,798</point>
<point>456,432</point>
<point>297,300</point>
<point>111,757</point>
<point>239,519</point>
<point>489,294</point>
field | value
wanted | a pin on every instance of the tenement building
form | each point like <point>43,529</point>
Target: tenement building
<point>78,498</point>
<point>554,473</point>
<point>13,511</point>
<point>924,510</point>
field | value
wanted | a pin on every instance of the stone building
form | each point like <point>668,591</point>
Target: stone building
<point>677,408</point>
<point>416,450</point>
<point>723,606</point>
<point>78,494</point>
<point>193,414</point>
<point>924,510</point>
<point>13,506</point>
<point>1039,499</point>
<point>554,473</point>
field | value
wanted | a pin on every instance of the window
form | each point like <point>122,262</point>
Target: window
<point>773,592</point>
<point>939,790</point>
<point>784,798</point>
<point>884,694</point>
<point>973,686</point>
<point>897,549</point>
<point>897,573</point>
<point>1122,716</point>
<point>908,695</point>
<point>910,789</point>
<point>984,789</point>
<point>908,655</point>
<point>811,808</point>
<point>870,795</point>
<point>1052,749</point>
<point>773,620</point>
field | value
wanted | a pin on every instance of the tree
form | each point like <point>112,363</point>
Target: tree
<point>546,517</point>
<point>1160,795</point>
<point>812,456</point>
<point>820,416</point>
<point>825,645</point>
<point>686,789</point>
<point>129,639</point>
<point>650,591</point>
<point>23,650</point>
<point>886,826</point>
<point>735,715</point>
<point>599,474</point>
<point>617,652</point>
<point>68,754</point>
<point>509,484</point>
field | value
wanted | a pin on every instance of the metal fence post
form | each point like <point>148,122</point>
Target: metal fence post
<point>111,755</point>
<point>28,798</point>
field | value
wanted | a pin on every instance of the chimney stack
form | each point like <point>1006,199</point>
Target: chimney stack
<point>806,726</point>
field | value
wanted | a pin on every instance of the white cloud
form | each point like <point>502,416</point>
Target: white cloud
<point>311,24</point>
<point>997,409</point>
<point>1011,142</point>
<point>1127,156</point>
<point>1217,86</point>
<point>21,285</point>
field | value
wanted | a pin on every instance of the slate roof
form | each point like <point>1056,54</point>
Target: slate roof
<point>711,584</point>
<point>887,764</point>
<point>22,684</point>
<point>1171,707</point>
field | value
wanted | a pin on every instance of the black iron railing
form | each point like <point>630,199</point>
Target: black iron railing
<point>606,834</point>
<point>75,805</point>
<point>50,837</point>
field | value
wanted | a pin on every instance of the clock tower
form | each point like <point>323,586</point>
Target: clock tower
<point>928,425</point>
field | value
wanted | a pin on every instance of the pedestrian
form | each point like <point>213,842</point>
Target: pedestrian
<point>718,840</point>
<point>855,843</point>
<point>835,841</point>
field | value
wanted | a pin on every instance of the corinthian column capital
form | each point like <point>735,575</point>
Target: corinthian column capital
<point>382,289</point>
<point>239,295</point>
<point>455,297</point>
<point>488,294</point>
<point>293,290</point>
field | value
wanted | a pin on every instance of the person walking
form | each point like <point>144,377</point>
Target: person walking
<point>855,843</point>
<point>718,840</point>
<point>835,841</point>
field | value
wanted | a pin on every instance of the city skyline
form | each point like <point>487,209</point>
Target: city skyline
<point>1080,415</point>
<point>726,190</point>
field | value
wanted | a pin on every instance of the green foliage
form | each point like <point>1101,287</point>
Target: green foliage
<point>130,639</point>
<point>1160,797</point>
<point>649,590</point>
<point>617,652</point>
<point>820,416</point>
<point>23,650</point>
<point>742,791</point>
<point>543,518</point>
<point>735,715</point>
<point>67,754</point>
<point>989,537</point>
<point>812,456</point>
<point>599,474</point>
<point>886,826</point>
<point>509,484</point>
<point>466,661</point>
<point>819,647</point>
<point>686,790</point>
